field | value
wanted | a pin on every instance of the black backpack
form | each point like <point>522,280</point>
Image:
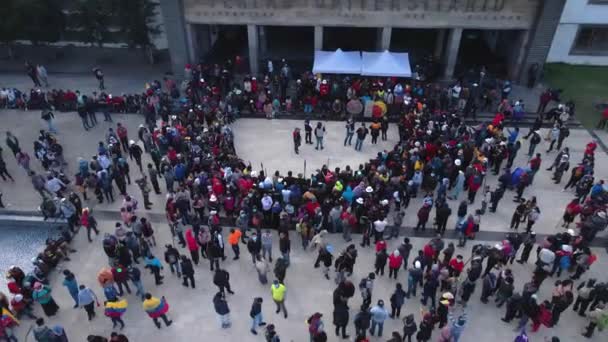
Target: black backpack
<point>535,139</point>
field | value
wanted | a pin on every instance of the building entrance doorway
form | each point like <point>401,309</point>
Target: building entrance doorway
<point>350,38</point>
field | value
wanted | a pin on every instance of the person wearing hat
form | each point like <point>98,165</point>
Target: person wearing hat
<point>21,306</point>
<point>379,314</point>
<point>42,294</point>
<point>135,152</point>
<point>297,139</point>
<point>315,326</point>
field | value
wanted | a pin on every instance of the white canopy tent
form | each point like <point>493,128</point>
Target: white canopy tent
<point>337,62</point>
<point>386,64</point>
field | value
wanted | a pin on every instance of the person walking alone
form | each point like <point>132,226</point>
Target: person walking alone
<point>350,131</point>
<point>278,291</point>
<point>87,299</point>
<point>297,140</point>
<point>156,308</point>
<point>99,76</point>
<point>256,315</point>
<point>319,135</point>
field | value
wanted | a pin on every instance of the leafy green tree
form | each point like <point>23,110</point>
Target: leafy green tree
<point>137,21</point>
<point>93,19</point>
<point>42,20</point>
<point>11,24</point>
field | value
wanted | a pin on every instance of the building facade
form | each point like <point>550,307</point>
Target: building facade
<point>460,33</point>
<point>582,34</point>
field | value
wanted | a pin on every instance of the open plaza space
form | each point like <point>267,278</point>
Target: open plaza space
<point>141,136</point>
<point>269,142</point>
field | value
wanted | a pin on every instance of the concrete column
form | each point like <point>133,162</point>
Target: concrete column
<point>452,51</point>
<point>252,39</point>
<point>192,41</point>
<point>516,68</point>
<point>318,38</point>
<point>174,25</point>
<point>385,38</point>
<point>439,43</point>
<point>263,41</point>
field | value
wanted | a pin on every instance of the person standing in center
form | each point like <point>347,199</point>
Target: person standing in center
<point>319,135</point>
<point>278,291</point>
<point>297,139</point>
<point>361,134</point>
<point>350,131</point>
<point>308,131</point>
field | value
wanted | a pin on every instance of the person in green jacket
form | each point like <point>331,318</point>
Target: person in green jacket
<point>42,295</point>
<point>598,317</point>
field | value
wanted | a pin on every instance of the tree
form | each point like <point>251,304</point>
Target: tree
<point>42,20</point>
<point>92,19</point>
<point>137,21</point>
<point>10,24</point>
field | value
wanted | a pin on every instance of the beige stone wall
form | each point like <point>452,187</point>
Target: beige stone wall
<point>483,14</point>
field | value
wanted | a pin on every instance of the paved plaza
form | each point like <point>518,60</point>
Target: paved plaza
<point>269,142</point>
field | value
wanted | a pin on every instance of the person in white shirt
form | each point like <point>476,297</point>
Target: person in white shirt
<point>379,227</point>
<point>54,185</point>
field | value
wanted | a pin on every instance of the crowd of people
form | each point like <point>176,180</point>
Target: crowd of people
<point>214,197</point>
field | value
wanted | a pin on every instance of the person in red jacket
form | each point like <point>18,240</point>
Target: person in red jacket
<point>456,266</point>
<point>192,245</point>
<point>380,245</point>
<point>394,263</point>
<point>474,182</point>
<point>572,209</point>
<point>423,216</point>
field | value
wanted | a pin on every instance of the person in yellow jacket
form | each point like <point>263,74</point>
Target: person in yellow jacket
<point>278,295</point>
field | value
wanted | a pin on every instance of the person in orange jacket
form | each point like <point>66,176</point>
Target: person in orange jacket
<point>233,241</point>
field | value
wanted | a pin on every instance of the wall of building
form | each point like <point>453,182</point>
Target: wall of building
<point>576,12</point>
<point>480,14</point>
<point>580,11</point>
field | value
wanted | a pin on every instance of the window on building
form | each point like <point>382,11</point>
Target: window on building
<point>591,40</point>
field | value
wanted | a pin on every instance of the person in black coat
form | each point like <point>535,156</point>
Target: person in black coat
<point>221,308</point>
<point>340,312</point>
<point>397,300</point>
<point>254,246</point>
<point>221,279</point>
<point>280,269</point>
<point>362,320</point>
<point>187,271</point>
<point>409,327</point>
<point>380,263</point>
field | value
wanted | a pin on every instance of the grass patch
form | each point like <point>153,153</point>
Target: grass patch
<point>586,85</point>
